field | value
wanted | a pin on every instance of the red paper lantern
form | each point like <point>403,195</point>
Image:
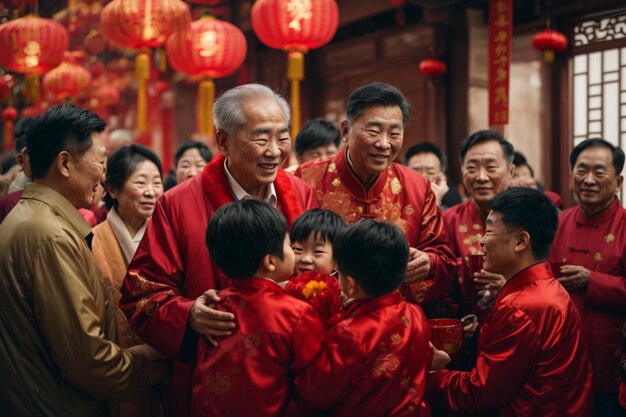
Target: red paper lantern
<point>9,116</point>
<point>67,80</point>
<point>549,41</point>
<point>212,48</point>
<point>106,95</point>
<point>432,67</point>
<point>32,44</point>
<point>295,26</point>
<point>143,23</point>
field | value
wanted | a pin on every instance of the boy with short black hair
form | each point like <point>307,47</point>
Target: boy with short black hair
<point>312,236</point>
<point>376,359</point>
<point>276,335</point>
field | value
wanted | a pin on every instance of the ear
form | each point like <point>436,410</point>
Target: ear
<point>511,173</point>
<point>345,128</point>
<point>20,159</point>
<point>64,163</point>
<point>221,138</point>
<point>110,191</point>
<point>268,263</point>
<point>523,241</point>
<point>620,182</point>
<point>352,286</point>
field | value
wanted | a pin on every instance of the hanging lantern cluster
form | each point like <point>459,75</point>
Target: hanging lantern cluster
<point>295,27</point>
<point>549,41</point>
<point>433,67</point>
<point>32,45</point>
<point>68,80</point>
<point>210,48</point>
<point>143,24</point>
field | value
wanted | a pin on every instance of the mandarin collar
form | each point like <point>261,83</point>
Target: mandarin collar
<point>368,304</point>
<point>257,283</point>
<point>353,183</point>
<point>536,272</point>
<point>599,217</point>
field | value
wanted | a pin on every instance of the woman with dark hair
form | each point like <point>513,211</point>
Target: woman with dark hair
<point>133,184</point>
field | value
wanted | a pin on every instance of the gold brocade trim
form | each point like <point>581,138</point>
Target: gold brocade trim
<point>217,383</point>
<point>472,239</point>
<point>597,257</point>
<point>463,228</point>
<point>395,186</point>
<point>409,210</point>
<point>396,339</point>
<point>140,285</point>
<point>477,226</point>
<point>385,364</point>
<point>332,167</point>
<point>251,343</point>
<point>340,203</point>
<point>405,321</point>
<point>610,238</point>
<point>336,182</point>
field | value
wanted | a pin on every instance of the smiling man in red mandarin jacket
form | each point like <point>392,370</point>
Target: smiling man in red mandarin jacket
<point>532,360</point>
<point>591,241</point>
<point>363,181</point>
<point>164,292</point>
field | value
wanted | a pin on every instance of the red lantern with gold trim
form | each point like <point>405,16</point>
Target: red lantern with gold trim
<point>295,26</point>
<point>9,116</point>
<point>143,24</point>
<point>67,80</point>
<point>32,45</point>
<point>211,48</point>
<point>549,41</point>
<point>433,67</point>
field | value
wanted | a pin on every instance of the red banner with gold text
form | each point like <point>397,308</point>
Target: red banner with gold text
<point>500,25</point>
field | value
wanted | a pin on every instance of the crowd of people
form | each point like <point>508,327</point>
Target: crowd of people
<point>168,297</point>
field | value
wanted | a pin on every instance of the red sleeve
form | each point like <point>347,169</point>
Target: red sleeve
<point>151,296</point>
<point>433,240</point>
<point>306,340</point>
<point>508,353</point>
<point>607,292</point>
<point>328,378</point>
<point>306,195</point>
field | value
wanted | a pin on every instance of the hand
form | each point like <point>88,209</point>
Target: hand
<point>418,267</point>
<point>470,324</point>
<point>492,282</point>
<point>440,359</point>
<point>204,319</point>
<point>440,187</point>
<point>574,277</point>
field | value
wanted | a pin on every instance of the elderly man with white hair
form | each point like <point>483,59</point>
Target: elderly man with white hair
<point>165,293</point>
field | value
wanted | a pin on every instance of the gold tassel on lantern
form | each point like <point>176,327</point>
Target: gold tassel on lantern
<point>32,88</point>
<point>206,96</point>
<point>295,74</point>
<point>142,72</point>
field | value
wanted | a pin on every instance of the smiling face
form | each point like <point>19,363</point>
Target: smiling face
<point>319,152</point>
<point>498,244</point>
<point>313,254</point>
<point>427,164</point>
<point>594,179</point>
<point>190,164</point>
<point>137,199</point>
<point>259,147</point>
<point>374,139</point>
<point>85,174</point>
<point>486,172</point>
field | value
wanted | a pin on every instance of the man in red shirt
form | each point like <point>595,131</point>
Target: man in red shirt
<point>363,181</point>
<point>532,361</point>
<point>591,244</point>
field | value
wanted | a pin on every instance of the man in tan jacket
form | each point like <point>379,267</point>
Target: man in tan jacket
<point>57,356</point>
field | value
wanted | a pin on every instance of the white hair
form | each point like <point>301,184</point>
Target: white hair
<point>228,108</point>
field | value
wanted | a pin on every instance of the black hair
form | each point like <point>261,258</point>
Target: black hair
<point>204,150</point>
<point>62,128</point>
<point>532,211</point>
<point>318,132</point>
<point>617,153</point>
<point>483,136</point>
<point>242,233</point>
<point>377,94</point>
<point>374,253</point>
<point>121,165</point>
<point>519,160</point>
<point>19,133</point>
<point>326,224</point>
<point>427,147</point>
